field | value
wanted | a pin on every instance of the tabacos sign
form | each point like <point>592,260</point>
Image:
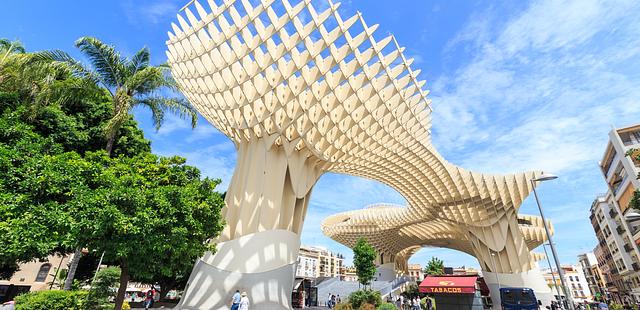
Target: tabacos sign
<point>448,287</point>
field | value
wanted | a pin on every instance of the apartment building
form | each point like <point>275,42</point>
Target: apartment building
<point>606,266</point>
<point>349,274</point>
<point>592,273</point>
<point>575,280</point>
<point>314,262</point>
<point>415,272</point>
<point>620,224</point>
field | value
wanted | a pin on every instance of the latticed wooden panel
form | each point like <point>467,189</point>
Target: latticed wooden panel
<point>297,75</point>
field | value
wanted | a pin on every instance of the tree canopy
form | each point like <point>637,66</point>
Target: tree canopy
<point>60,190</point>
<point>364,256</point>
<point>435,267</point>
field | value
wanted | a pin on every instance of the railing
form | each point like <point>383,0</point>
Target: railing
<point>627,247</point>
<point>612,213</point>
<point>635,266</point>
<point>620,230</point>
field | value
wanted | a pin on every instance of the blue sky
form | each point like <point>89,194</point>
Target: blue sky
<point>515,86</point>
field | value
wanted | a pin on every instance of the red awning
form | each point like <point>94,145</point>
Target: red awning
<point>448,285</point>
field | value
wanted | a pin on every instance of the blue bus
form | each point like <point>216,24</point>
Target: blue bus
<point>518,298</point>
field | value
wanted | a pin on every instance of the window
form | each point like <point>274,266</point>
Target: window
<point>43,272</point>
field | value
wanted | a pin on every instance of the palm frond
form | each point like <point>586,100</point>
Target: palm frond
<point>10,46</point>
<point>106,61</point>
<point>177,106</point>
<point>76,67</point>
<point>146,81</point>
<point>139,61</point>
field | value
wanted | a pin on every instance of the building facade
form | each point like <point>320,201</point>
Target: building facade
<point>593,274</point>
<point>314,262</point>
<point>415,272</point>
<point>575,280</point>
<point>619,224</point>
<point>349,274</point>
<point>34,276</point>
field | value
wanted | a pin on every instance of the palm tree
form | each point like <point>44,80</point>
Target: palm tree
<point>130,82</point>
<point>35,79</point>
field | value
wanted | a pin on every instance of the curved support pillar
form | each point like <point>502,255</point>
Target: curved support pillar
<point>532,279</point>
<point>261,264</point>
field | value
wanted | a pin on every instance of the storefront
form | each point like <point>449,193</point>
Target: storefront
<point>304,293</point>
<point>454,293</point>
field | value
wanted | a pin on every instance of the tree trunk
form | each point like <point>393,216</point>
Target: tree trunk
<point>73,265</point>
<point>124,281</point>
<point>111,140</point>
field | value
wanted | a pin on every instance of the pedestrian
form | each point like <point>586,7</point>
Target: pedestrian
<point>333,301</point>
<point>401,302</point>
<point>329,301</point>
<point>338,299</point>
<point>148,301</point>
<point>429,303</point>
<point>235,300</point>
<point>244,302</point>
<point>133,296</point>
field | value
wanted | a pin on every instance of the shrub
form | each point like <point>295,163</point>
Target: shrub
<point>103,288</point>
<point>343,306</point>
<point>358,298</point>
<point>52,300</point>
<point>367,307</point>
<point>616,307</point>
<point>387,306</point>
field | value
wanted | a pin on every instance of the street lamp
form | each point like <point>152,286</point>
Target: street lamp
<point>542,178</point>
<point>553,276</point>
<point>494,268</point>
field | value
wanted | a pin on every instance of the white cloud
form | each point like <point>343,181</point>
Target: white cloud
<point>545,91</point>
<point>149,12</point>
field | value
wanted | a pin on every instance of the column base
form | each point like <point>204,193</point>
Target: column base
<point>262,264</point>
<point>532,279</point>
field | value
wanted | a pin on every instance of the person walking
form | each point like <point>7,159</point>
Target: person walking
<point>244,302</point>
<point>235,300</point>
<point>149,298</point>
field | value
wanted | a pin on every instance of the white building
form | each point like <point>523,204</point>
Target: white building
<point>307,267</point>
<point>575,280</point>
<point>620,172</point>
<point>314,262</point>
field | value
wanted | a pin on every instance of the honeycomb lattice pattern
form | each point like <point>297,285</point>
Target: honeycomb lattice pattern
<point>298,76</point>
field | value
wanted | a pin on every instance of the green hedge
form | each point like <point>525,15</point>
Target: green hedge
<point>366,296</point>
<point>51,300</point>
<point>387,306</point>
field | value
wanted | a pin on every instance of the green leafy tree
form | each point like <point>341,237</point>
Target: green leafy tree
<point>102,288</point>
<point>364,256</point>
<point>149,214</point>
<point>435,267</point>
<point>130,82</point>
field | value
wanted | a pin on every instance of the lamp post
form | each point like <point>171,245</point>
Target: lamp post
<point>553,276</point>
<point>494,268</point>
<point>542,178</point>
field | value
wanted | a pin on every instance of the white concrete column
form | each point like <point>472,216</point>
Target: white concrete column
<point>257,251</point>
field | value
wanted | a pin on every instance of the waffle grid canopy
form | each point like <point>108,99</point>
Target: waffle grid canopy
<point>300,78</point>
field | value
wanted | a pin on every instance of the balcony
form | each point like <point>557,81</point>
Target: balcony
<point>620,230</point>
<point>612,213</point>
<point>635,267</point>
<point>627,247</point>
